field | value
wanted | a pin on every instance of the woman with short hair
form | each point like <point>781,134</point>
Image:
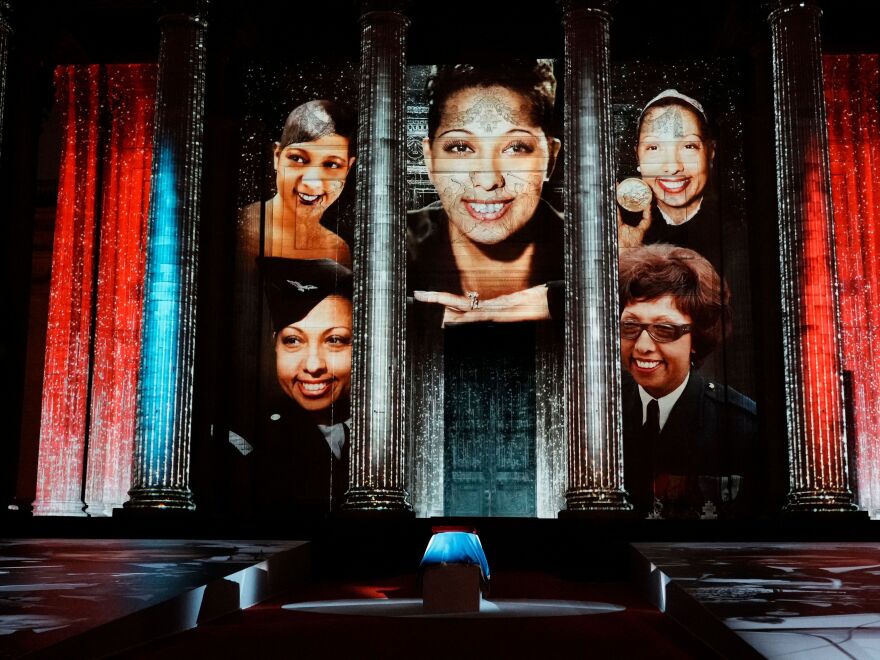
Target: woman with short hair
<point>687,440</point>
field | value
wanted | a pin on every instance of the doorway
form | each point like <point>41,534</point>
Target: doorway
<point>490,424</point>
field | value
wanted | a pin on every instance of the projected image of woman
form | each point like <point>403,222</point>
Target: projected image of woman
<point>687,440</point>
<point>490,243</point>
<point>304,460</point>
<point>675,152</point>
<point>312,160</point>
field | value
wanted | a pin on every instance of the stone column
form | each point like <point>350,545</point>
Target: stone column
<point>376,475</point>
<point>165,391</point>
<point>811,328</point>
<point>5,34</point>
<point>592,337</point>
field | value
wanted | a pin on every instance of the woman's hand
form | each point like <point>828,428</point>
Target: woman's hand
<point>629,236</point>
<point>526,305</point>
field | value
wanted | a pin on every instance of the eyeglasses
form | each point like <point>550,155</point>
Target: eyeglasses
<point>662,333</point>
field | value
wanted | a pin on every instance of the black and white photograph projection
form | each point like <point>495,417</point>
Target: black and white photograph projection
<point>289,415</point>
<point>485,258</point>
<point>690,424</point>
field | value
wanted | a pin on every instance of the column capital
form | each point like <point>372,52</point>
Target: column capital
<point>777,9</point>
<point>183,10</point>
<point>390,7</point>
<point>601,7</point>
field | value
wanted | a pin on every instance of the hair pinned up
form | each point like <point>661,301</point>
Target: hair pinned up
<point>533,79</point>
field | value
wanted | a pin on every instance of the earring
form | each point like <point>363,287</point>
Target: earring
<point>639,169</point>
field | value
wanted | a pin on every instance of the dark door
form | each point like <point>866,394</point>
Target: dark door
<point>490,420</point>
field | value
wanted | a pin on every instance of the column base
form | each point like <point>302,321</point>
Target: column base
<point>820,501</point>
<point>376,499</point>
<point>102,509</point>
<point>158,498</point>
<point>73,508</point>
<point>595,500</point>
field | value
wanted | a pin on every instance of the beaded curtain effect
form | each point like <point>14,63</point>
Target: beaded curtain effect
<point>131,90</point>
<point>96,293</point>
<point>852,90</point>
<point>68,336</point>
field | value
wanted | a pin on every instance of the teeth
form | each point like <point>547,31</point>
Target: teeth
<point>673,185</point>
<point>486,208</point>
<point>647,364</point>
<point>313,387</point>
<point>308,198</point>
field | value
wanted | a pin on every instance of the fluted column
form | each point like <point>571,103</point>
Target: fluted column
<point>592,371</point>
<point>5,34</point>
<point>165,392</point>
<point>811,329</point>
<point>377,472</point>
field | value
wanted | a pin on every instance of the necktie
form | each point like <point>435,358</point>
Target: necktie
<point>651,427</point>
<point>651,435</point>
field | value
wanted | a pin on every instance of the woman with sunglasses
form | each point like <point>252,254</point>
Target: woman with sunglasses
<point>687,441</point>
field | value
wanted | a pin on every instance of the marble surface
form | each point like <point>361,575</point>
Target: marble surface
<point>52,590</point>
<point>786,600</point>
<point>501,608</point>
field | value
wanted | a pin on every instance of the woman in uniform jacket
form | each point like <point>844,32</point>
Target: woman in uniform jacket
<point>688,442</point>
<point>303,454</point>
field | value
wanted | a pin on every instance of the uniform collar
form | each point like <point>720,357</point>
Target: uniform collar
<point>666,403</point>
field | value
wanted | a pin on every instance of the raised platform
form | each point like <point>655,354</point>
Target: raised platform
<point>798,601</point>
<point>93,597</point>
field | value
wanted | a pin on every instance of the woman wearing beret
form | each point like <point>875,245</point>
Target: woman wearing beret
<point>303,456</point>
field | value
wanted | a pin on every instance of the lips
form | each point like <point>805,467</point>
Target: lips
<point>308,200</point>
<point>673,185</point>
<point>646,365</point>
<point>487,211</point>
<point>314,389</point>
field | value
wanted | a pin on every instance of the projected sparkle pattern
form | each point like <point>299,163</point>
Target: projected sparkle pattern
<point>811,332</point>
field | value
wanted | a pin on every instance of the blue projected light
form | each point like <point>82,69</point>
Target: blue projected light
<point>159,364</point>
<point>456,548</point>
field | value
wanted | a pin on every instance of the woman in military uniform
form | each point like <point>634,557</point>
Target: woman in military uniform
<point>302,459</point>
<point>688,442</point>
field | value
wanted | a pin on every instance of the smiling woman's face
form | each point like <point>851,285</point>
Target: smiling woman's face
<point>674,159</point>
<point>488,162</point>
<point>310,175</point>
<point>658,367</point>
<point>313,355</point>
